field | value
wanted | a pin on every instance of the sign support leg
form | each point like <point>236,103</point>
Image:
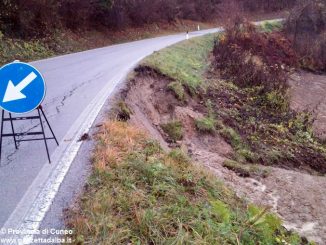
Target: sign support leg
<point>20,137</point>
<point>47,122</point>
<point>3,115</point>
<point>44,137</point>
<point>13,131</point>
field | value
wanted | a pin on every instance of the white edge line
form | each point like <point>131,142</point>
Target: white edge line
<point>63,159</point>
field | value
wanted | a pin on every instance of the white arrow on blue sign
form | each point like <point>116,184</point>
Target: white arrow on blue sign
<point>22,87</point>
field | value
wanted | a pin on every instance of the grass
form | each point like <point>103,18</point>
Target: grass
<point>174,130</point>
<point>246,170</point>
<point>185,62</point>
<point>206,125</point>
<point>139,194</point>
<point>178,90</point>
<point>270,26</point>
<point>13,49</point>
<point>124,112</point>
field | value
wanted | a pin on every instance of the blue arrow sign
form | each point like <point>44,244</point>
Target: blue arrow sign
<point>22,87</point>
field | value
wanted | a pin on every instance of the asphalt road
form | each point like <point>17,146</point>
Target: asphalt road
<point>77,86</point>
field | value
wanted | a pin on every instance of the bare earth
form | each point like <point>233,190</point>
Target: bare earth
<point>299,198</point>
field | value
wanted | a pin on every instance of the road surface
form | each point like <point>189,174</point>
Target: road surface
<point>77,87</point>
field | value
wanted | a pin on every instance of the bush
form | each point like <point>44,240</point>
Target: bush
<point>306,26</point>
<point>252,58</point>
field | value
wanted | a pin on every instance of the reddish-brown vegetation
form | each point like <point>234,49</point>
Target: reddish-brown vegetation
<point>254,58</point>
<point>306,26</point>
<point>257,108</point>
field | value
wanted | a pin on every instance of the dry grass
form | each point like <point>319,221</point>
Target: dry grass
<point>138,194</point>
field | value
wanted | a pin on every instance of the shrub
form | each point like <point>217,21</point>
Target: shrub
<point>252,58</point>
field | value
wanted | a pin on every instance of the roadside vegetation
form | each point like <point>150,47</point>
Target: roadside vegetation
<point>253,101</point>
<point>187,73</point>
<point>138,194</point>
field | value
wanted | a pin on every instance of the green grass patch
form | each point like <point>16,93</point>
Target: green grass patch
<point>186,62</point>
<point>13,49</point>
<point>270,26</point>
<point>246,170</point>
<point>177,89</point>
<point>174,130</point>
<point>123,113</point>
<point>141,196</point>
<point>206,124</point>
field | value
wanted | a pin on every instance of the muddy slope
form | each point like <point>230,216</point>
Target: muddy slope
<point>298,198</point>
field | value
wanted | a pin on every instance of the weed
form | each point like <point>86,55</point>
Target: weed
<point>277,100</point>
<point>179,157</point>
<point>248,155</point>
<point>174,130</point>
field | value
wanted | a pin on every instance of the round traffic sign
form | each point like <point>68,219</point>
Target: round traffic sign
<point>22,87</point>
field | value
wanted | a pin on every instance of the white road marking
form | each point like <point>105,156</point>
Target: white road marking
<point>42,192</point>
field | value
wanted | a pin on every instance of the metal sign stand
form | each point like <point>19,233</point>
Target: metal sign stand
<point>11,119</point>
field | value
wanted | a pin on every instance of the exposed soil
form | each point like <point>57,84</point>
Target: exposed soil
<point>299,198</point>
<point>308,92</point>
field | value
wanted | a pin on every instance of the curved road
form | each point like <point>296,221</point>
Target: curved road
<point>77,87</point>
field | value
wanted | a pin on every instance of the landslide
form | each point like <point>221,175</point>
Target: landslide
<point>230,111</point>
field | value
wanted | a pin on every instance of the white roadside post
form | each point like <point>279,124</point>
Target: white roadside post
<point>187,35</point>
<point>198,28</point>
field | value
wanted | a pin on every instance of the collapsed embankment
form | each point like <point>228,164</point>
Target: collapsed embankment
<point>247,136</point>
<point>213,126</point>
